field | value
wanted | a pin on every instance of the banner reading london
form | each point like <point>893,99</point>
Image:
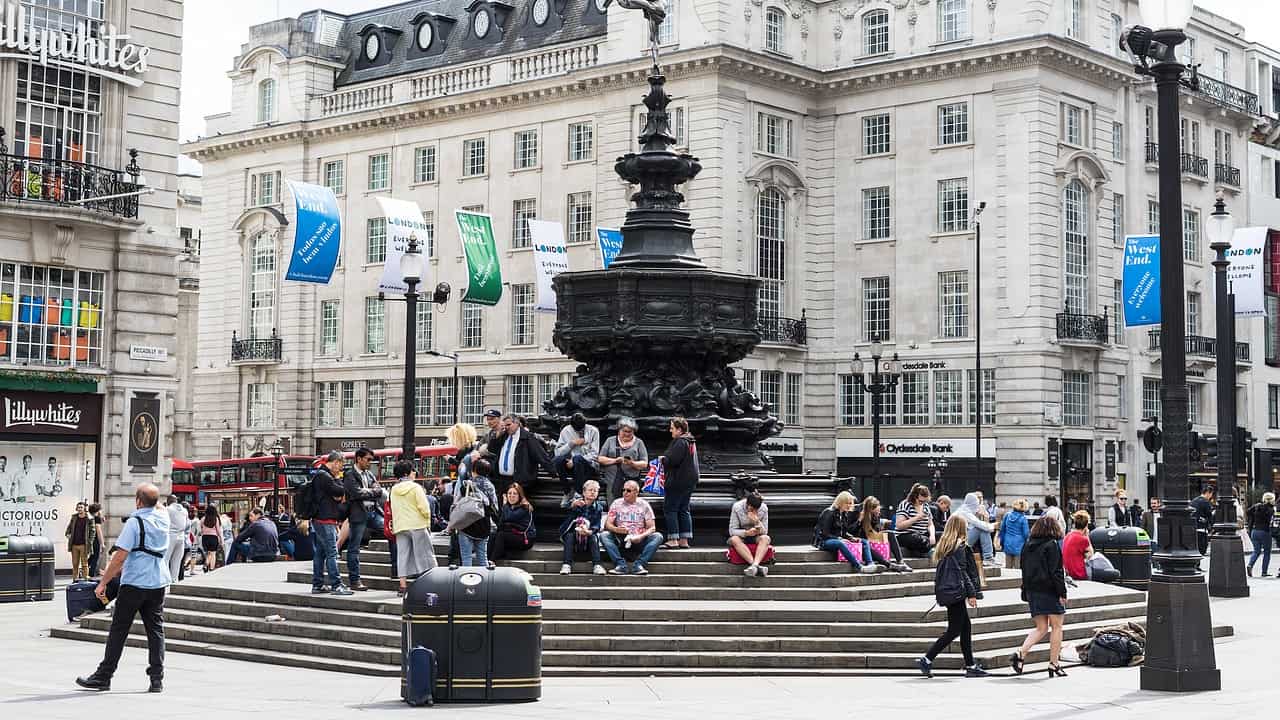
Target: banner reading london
<point>404,219</point>
<point>1141,280</point>
<point>484,276</point>
<point>317,236</point>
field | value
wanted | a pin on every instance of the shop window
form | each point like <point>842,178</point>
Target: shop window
<point>51,316</point>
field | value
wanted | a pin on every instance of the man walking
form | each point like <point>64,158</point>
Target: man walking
<point>177,528</point>
<point>80,539</point>
<point>362,489</point>
<point>328,502</point>
<point>138,558</point>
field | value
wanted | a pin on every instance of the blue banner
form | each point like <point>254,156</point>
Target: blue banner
<point>610,244</point>
<point>317,234</point>
<point>1141,280</point>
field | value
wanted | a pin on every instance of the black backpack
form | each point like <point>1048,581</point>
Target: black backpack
<point>949,581</point>
<point>304,499</point>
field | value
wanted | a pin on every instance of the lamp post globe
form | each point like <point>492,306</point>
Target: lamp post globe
<point>1221,227</point>
<point>412,264</point>
<point>857,366</point>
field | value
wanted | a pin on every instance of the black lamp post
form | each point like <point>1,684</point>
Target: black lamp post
<point>1226,550</point>
<point>1180,653</point>
<point>277,451</point>
<point>882,379</point>
<point>412,265</point>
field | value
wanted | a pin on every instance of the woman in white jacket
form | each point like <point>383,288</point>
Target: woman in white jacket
<point>980,529</point>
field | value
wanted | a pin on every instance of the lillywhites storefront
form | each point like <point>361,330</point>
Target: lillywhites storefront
<point>48,462</point>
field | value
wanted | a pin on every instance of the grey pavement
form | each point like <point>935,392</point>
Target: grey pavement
<point>37,683</point>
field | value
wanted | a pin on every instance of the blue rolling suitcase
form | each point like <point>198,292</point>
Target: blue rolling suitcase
<point>421,677</point>
<point>80,599</point>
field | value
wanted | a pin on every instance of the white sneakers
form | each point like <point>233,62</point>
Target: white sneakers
<point>566,569</point>
<point>598,570</point>
<point>751,571</point>
<point>870,569</point>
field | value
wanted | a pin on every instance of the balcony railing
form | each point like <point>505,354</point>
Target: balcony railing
<point>1227,96</point>
<point>1195,165</point>
<point>1153,153</point>
<point>1242,353</point>
<point>1226,175</point>
<point>1201,346</point>
<point>68,183</point>
<point>1084,328</point>
<point>257,349</point>
<point>784,330</point>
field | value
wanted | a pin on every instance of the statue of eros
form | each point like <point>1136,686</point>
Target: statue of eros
<point>655,11</point>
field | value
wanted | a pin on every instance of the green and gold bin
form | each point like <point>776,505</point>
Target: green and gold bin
<point>1129,549</point>
<point>26,568</point>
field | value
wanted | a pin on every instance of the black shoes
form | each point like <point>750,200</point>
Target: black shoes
<point>926,666</point>
<point>94,682</point>
<point>975,671</point>
<point>1016,662</point>
<point>1056,671</point>
<point>157,685</point>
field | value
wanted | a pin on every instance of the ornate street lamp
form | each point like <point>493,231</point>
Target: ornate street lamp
<point>412,266</point>
<point>1180,653</point>
<point>882,379</point>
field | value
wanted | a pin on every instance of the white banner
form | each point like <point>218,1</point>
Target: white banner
<point>40,485</point>
<point>550,258</point>
<point>404,218</point>
<point>1244,276</point>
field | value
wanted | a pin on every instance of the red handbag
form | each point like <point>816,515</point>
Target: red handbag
<point>736,559</point>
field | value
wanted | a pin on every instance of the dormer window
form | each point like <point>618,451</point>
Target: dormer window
<point>376,44</point>
<point>372,47</point>
<point>481,23</point>
<point>489,19</point>
<point>541,12</point>
<point>430,33</point>
<point>425,35</point>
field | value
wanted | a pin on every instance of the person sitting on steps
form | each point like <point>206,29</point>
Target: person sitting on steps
<point>575,458</point>
<point>580,526</point>
<point>515,531</point>
<point>883,542</point>
<point>258,542</point>
<point>834,534</point>
<point>630,524</point>
<point>915,522</point>
<point>749,534</point>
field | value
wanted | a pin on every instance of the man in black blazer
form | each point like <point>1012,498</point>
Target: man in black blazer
<point>519,457</point>
<point>362,489</point>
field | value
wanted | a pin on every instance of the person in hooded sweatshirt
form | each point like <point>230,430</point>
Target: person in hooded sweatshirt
<point>1013,534</point>
<point>411,523</point>
<point>1044,589</point>
<point>979,529</point>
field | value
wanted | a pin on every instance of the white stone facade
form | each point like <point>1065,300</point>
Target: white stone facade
<point>1024,106</point>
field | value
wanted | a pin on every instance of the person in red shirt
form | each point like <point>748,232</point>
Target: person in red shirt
<point>1076,547</point>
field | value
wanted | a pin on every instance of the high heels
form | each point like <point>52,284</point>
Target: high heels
<point>1015,662</point>
<point>1057,671</point>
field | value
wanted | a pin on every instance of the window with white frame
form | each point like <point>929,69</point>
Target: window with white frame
<point>1222,147</point>
<point>580,214</point>
<point>375,403</point>
<point>1193,313</point>
<point>375,325</point>
<point>915,398</point>
<point>424,164</point>
<point>264,188</point>
<point>1153,217</point>
<point>473,400</point>
<point>1117,219</point>
<point>771,244</point>
<point>953,20</point>
<point>667,28</point>
<point>327,404</point>
<point>520,390</point>
<point>1194,392</point>
<point>422,401</point>
<point>1075,241</point>
<point>522,319</point>
<point>423,337</point>
<point>773,134</point>
<point>791,414</point>
<point>988,396</point>
<point>775,22</point>
<point>349,406</point>
<point>875,309</point>
<point>953,205</point>
<point>1075,398</point>
<point>527,149</point>
<point>1075,19</point>
<point>876,215</point>
<point>329,319</point>
<point>262,285</point>
<point>549,385</point>
<point>1191,235</point>
<point>750,381</point>
<point>1122,395</point>
<point>676,118</point>
<point>1075,125</point>
<point>875,32</point>
<point>1117,312</point>
<point>261,402</point>
<point>953,304</point>
<point>375,240</point>
<point>1117,30</point>
<point>876,134</point>
<point>379,171</point>
<point>446,401</point>
<point>335,176</point>
<point>58,110</point>
<point>1273,407</point>
<point>474,157</point>
<point>428,234</point>
<point>267,101</point>
<point>953,123</point>
<point>771,389</point>
<point>522,211</point>
<point>1189,51</point>
<point>853,402</point>
<point>1117,141</point>
<point>581,141</point>
<point>1150,398</point>
<point>948,397</point>
<point>472,326</point>
<point>888,408</point>
<point>1149,117</point>
<point>1222,64</point>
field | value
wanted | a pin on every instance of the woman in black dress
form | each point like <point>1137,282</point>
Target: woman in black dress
<point>1044,589</point>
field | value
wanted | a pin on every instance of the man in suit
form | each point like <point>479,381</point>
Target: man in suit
<point>519,457</point>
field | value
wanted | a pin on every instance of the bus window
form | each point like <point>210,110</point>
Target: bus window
<point>229,474</point>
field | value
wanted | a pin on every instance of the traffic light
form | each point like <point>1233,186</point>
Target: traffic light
<point>1243,440</point>
<point>1194,443</point>
<point>1209,449</point>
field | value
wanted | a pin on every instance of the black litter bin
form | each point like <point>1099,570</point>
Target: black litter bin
<point>1129,549</point>
<point>26,568</point>
<point>485,627</point>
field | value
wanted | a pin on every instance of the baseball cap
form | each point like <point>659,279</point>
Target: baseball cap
<point>493,412</point>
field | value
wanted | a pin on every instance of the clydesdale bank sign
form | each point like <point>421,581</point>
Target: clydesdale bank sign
<point>101,50</point>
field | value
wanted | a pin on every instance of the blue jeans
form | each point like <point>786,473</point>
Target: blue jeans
<point>613,544</point>
<point>570,542</point>
<point>837,546</point>
<point>239,551</point>
<point>1261,540</point>
<point>325,540</point>
<point>675,507</point>
<point>475,553</point>
<point>980,539</point>
<point>573,478</point>
<point>355,534</point>
<point>287,547</point>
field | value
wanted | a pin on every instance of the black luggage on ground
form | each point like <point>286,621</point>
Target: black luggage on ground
<point>81,600</point>
<point>26,568</point>
<point>420,676</point>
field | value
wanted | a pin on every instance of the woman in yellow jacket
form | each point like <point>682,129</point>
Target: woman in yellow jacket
<point>411,521</point>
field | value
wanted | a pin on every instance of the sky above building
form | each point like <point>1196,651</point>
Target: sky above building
<point>214,31</point>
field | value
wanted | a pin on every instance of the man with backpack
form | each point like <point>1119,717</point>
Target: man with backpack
<point>322,501</point>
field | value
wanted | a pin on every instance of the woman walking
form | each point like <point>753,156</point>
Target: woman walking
<point>681,463</point>
<point>1260,517</point>
<point>955,585</point>
<point>1044,589</point>
<point>211,537</point>
<point>411,520</point>
<point>515,527</point>
<point>1013,534</point>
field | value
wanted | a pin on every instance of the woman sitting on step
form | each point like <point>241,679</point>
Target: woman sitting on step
<point>883,543</point>
<point>515,531</point>
<point>580,526</point>
<point>834,534</point>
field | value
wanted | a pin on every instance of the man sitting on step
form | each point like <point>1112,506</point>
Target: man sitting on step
<point>749,535</point>
<point>259,542</point>
<point>629,527</point>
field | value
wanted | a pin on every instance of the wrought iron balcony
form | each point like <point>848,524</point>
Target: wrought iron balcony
<point>257,350</point>
<point>1226,175</point>
<point>1199,346</point>
<point>787,331</point>
<point>1091,329</point>
<point>68,183</point>
<point>1153,153</point>
<point>1227,96</point>
<point>1195,165</point>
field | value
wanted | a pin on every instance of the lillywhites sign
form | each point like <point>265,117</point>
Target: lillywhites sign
<point>18,413</point>
<point>103,51</point>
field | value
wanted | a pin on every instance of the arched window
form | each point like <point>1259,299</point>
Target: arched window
<point>267,100</point>
<point>771,245</point>
<point>875,32</point>
<point>774,30</point>
<point>262,284</point>
<point>1075,222</point>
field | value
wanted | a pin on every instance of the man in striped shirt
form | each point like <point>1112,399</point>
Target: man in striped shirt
<point>914,522</point>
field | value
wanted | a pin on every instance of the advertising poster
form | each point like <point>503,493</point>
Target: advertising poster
<point>484,275</point>
<point>1244,275</point>
<point>1141,280</point>
<point>40,484</point>
<point>551,259</point>
<point>404,218</point>
<point>610,240</point>
<point>317,236</point>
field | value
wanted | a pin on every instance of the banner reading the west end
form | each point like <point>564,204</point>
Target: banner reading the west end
<point>1244,275</point>
<point>317,236</point>
<point>484,276</point>
<point>404,218</point>
<point>1141,280</point>
<point>550,258</point>
<point>610,240</point>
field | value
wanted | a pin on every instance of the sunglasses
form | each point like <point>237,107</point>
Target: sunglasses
<point>629,490</point>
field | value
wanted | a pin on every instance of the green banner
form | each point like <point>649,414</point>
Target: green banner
<point>484,276</point>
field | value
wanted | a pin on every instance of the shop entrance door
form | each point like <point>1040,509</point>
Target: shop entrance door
<point>1077,477</point>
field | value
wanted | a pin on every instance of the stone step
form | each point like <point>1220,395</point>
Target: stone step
<point>332,619</point>
<point>659,565</point>
<point>290,627</point>
<point>548,551</point>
